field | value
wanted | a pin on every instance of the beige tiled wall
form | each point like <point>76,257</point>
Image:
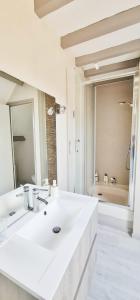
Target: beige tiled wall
<point>113,129</point>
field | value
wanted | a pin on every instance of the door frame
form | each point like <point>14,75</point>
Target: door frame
<point>131,196</point>
<point>134,142</point>
<point>17,103</point>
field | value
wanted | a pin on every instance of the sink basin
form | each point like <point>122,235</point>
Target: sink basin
<point>43,262</point>
<point>60,214</point>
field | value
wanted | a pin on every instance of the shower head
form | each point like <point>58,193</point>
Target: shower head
<point>122,102</point>
<point>125,103</point>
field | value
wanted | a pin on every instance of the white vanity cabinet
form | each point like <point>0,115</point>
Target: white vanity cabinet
<point>83,289</point>
<point>11,291</point>
<point>36,263</point>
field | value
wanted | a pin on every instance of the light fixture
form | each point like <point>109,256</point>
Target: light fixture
<point>97,67</point>
<point>57,109</point>
<point>51,111</point>
<point>60,109</point>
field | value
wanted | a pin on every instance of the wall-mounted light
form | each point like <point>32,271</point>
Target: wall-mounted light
<point>56,109</point>
<point>61,109</point>
<point>51,111</point>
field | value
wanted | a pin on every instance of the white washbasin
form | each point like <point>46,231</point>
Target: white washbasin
<point>60,213</point>
<point>42,262</point>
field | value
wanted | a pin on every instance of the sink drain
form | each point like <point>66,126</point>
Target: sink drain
<point>12,213</point>
<point>100,194</point>
<point>56,229</point>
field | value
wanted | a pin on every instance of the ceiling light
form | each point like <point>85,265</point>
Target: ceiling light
<point>97,67</point>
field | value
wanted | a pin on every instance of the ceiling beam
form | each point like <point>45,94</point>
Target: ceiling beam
<point>112,80</point>
<point>108,53</point>
<point>112,67</point>
<point>116,22</point>
<point>10,78</point>
<point>44,7</point>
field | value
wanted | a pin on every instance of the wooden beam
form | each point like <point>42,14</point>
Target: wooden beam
<point>108,53</point>
<point>44,7</point>
<point>112,80</point>
<point>11,78</point>
<point>116,22</point>
<point>112,67</point>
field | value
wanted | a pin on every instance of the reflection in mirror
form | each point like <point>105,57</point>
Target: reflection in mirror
<point>28,145</point>
<point>23,143</point>
<point>28,150</point>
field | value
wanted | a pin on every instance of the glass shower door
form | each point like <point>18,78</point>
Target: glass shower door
<point>133,144</point>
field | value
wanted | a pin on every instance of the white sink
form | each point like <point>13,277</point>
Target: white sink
<point>60,213</point>
<point>42,262</point>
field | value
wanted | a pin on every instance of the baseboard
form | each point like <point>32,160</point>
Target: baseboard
<point>135,236</point>
<point>120,224</point>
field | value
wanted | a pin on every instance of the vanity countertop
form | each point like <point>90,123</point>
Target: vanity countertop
<point>37,260</point>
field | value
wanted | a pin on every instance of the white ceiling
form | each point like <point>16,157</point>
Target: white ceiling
<point>80,13</point>
<point>107,41</point>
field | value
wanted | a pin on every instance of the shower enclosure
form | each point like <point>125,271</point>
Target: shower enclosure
<point>110,140</point>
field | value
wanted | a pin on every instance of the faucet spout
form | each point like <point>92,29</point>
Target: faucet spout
<point>42,200</point>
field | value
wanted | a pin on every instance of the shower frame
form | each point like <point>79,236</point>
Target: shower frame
<point>134,126</point>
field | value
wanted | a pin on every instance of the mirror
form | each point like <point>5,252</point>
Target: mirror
<point>28,151</point>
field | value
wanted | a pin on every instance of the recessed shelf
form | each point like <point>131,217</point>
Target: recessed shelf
<point>18,138</point>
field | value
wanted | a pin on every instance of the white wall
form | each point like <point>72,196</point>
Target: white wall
<point>75,136</point>
<point>79,135</point>
<point>6,162</point>
<point>71,128</point>
<point>30,50</point>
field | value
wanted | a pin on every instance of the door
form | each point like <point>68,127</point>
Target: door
<point>133,144</point>
<point>23,143</point>
<point>6,163</point>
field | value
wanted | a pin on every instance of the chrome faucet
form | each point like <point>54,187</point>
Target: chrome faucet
<point>36,198</point>
<point>25,194</point>
<point>43,200</point>
<point>26,197</point>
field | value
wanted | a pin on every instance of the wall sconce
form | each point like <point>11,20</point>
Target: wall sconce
<point>57,109</point>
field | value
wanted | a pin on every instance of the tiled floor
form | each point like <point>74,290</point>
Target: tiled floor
<point>117,270</point>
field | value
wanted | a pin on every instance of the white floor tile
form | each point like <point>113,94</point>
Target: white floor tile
<point>117,270</point>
